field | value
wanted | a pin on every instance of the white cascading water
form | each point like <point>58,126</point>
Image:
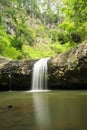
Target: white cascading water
<point>39,78</point>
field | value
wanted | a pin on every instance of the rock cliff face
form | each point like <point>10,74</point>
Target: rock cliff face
<point>15,75</point>
<point>65,71</point>
<point>69,70</point>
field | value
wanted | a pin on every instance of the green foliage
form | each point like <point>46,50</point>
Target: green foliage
<point>12,53</point>
<point>30,36</point>
<point>57,48</point>
<point>59,36</point>
<point>41,28</point>
<point>68,26</point>
<point>75,18</point>
<point>4,41</point>
<point>27,35</point>
<point>41,31</point>
<point>17,43</point>
<point>53,34</point>
<point>2,47</point>
<point>63,37</point>
<point>38,51</point>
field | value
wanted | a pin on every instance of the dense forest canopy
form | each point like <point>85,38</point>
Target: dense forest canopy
<point>39,28</point>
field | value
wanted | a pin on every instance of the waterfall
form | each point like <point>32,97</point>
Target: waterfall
<point>39,77</point>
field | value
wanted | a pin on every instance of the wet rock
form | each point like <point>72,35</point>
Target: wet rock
<point>10,106</point>
<point>65,71</point>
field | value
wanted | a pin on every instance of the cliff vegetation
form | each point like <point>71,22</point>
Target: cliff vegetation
<point>31,29</point>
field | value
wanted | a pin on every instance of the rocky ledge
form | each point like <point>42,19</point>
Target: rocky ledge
<point>15,75</point>
<point>69,70</point>
<point>65,71</point>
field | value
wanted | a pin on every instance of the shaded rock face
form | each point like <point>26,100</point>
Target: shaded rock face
<point>16,75</point>
<point>65,71</point>
<point>69,70</point>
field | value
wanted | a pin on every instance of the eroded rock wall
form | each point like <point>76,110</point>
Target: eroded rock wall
<point>16,75</point>
<point>69,70</point>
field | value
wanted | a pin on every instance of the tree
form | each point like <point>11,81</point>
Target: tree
<point>75,12</point>
<point>50,13</point>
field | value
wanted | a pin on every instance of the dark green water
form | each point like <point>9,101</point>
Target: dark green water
<point>53,110</point>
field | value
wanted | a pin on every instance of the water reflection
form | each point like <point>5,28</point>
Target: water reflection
<point>41,106</point>
<point>43,111</point>
<point>55,111</point>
